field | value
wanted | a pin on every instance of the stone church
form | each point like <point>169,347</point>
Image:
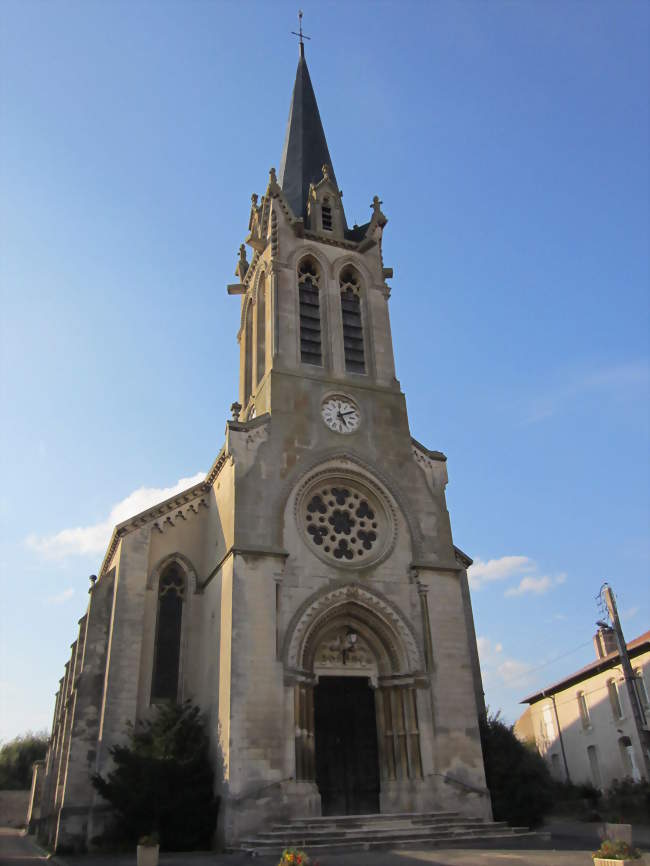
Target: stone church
<point>307,594</point>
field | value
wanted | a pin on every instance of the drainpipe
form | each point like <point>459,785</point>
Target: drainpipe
<point>559,732</point>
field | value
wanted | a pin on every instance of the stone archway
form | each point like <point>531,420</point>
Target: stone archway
<point>384,656</point>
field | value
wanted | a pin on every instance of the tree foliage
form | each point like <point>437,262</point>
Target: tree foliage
<point>518,779</point>
<point>17,757</point>
<point>163,781</point>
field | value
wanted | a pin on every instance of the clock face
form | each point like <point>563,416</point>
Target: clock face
<point>341,414</point>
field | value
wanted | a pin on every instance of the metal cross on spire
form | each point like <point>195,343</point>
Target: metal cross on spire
<point>300,34</point>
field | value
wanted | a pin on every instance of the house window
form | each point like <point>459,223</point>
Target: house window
<point>350,286</point>
<point>326,213</point>
<point>261,330</point>
<point>248,354</point>
<point>628,758</point>
<point>614,699</point>
<point>308,292</point>
<point>641,689</point>
<point>594,767</point>
<point>584,710</point>
<point>548,728</point>
<point>171,593</point>
<point>555,765</point>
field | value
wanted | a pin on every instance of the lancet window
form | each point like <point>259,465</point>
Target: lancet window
<point>167,652</point>
<point>248,354</point>
<point>326,215</point>
<point>350,285</point>
<point>310,324</point>
<point>261,330</point>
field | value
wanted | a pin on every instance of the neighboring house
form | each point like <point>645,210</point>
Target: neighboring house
<point>583,725</point>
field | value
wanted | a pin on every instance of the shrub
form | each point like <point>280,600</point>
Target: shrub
<point>17,757</point>
<point>627,801</point>
<point>163,781</point>
<point>517,777</point>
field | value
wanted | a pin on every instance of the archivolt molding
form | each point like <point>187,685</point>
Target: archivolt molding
<point>383,623</point>
<point>356,262</point>
<point>339,462</point>
<point>183,562</point>
<point>305,250</point>
<point>248,301</point>
<point>261,272</point>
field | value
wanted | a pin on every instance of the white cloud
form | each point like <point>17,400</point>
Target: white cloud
<point>61,598</point>
<point>497,569</point>
<point>535,585</point>
<point>499,669</point>
<point>93,539</point>
<point>619,379</point>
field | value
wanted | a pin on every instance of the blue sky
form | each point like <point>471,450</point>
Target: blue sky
<point>509,145</point>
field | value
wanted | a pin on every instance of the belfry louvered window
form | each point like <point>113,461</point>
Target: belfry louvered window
<point>167,654</point>
<point>350,285</point>
<point>308,292</point>
<point>326,214</point>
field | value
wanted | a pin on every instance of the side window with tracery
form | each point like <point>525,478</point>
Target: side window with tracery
<point>167,651</point>
<point>350,285</point>
<point>248,354</point>
<point>261,330</point>
<point>310,324</point>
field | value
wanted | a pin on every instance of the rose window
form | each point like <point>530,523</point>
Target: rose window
<point>344,523</point>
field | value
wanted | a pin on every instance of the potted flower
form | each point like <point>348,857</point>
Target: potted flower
<point>148,848</point>
<point>615,852</point>
<point>295,857</point>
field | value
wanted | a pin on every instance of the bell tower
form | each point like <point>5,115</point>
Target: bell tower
<point>314,293</point>
<point>344,560</point>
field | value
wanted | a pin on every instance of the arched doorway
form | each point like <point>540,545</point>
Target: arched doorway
<point>356,663</point>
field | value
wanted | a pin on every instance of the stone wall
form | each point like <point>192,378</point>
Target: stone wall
<point>13,808</point>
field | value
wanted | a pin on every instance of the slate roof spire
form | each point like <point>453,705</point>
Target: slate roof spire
<point>305,147</point>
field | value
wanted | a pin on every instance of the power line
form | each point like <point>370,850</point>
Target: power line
<point>550,662</point>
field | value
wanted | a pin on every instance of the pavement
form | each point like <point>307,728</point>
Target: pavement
<point>17,849</point>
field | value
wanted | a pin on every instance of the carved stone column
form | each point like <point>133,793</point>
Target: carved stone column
<point>304,720</point>
<point>399,747</point>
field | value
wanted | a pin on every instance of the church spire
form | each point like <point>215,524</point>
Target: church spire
<point>305,147</point>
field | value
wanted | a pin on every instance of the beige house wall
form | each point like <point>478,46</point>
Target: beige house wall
<point>602,731</point>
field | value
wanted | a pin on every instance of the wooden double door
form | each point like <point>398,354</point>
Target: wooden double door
<point>347,762</point>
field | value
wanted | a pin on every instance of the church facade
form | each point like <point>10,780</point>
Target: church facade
<point>307,595</point>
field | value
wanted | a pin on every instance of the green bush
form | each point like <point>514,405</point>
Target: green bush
<point>163,782</point>
<point>17,757</point>
<point>517,777</point>
<point>627,801</point>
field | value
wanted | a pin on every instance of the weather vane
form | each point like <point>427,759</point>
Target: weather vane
<point>300,34</point>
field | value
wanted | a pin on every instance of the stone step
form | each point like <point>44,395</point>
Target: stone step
<point>513,838</point>
<point>380,832</point>
<point>415,823</point>
<point>371,818</point>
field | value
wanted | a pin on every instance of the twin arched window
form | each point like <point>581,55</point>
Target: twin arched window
<point>350,285</point>
<point>310,316</point>
<point>260,338</point>
<point>167,650</point>
<point>308,295</point>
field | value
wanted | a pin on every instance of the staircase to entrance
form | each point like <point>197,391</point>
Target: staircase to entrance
<point>339,833</point>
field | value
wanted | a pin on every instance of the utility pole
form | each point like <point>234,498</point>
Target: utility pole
<point>630,680</point>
